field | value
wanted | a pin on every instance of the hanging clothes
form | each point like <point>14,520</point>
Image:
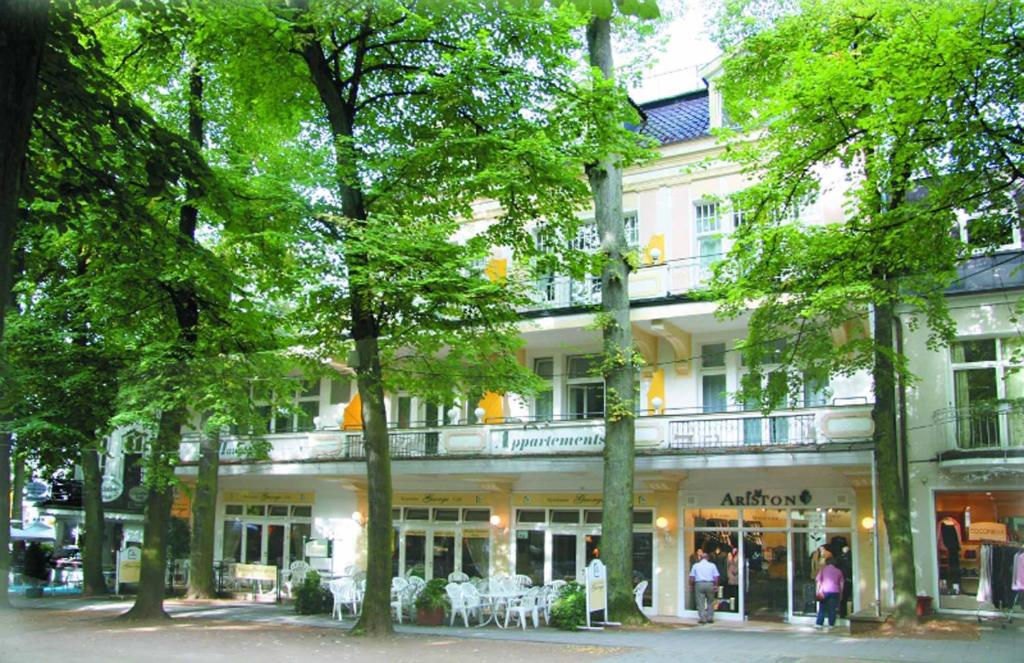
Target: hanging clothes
<point>985,574</point>
<point>1018,572</point>
<point>950,536</point>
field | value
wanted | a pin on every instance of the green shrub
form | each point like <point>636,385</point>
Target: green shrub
<point>433,595</point>
<point>312,598</point>
<point>569,611</point>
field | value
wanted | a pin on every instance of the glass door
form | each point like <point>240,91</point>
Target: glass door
<point>530,555</point>
<point>416,554</point>
<point>275,546</point>
<point>443,561</point>
<point>766,567</point>
<point>563,557</point>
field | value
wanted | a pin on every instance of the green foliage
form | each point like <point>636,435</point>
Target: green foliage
<point>569,612</point>
<point>917,103</point>
<point>433,595</point>
<point>311,598</point>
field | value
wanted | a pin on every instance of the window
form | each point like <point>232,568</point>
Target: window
<point>713,384</point>
<point>543,402</point>
<point>265,534</point>
<point>298,414</point>
<point>708,231</point>
<point>404,411</point>
<point>987,380</point>
<point>585,389</point>
<point>341,391</point>
<point>989,233</point>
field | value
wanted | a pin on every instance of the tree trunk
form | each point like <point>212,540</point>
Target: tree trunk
<point>618,369</point>
<point>376,617</point>
<point>895,508</point>
<point>202,582</point>
<point>5,510</point>
<point>23,27</point>
<point>17,496</point>
<point>149,603</point>
<point>92,504</point>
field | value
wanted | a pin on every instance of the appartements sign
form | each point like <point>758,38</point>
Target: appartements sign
<point>554,440</point>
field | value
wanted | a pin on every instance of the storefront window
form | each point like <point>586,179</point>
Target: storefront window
<point>253,543</point>
<point>444,554</point>
<point>963,520</point>
<point>440,531</point>
<point>232,548</point>
<point>416,554</point>
<point>476,554</point>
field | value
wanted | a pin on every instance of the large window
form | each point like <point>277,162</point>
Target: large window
<point>584,387</point>
<point>558,543</point>
<point>293,412</point>
<point>708,233</point>
<point>987,387</point>
<point>457,539</point>
<point>257,533</point>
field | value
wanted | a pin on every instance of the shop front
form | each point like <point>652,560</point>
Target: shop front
<point>965,520</point>
<point>556,535</point>
<point>769,545</point>
<point>440,533</point>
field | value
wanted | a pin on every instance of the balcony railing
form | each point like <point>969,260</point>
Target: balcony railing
<point>669,278</point>
<point>751,430</point>
<point>673,433</point>
<point>999,426</point>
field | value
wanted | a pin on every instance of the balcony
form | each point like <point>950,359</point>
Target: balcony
<point>670,434</point>
<point>980,437</point>
<point>675,277</point>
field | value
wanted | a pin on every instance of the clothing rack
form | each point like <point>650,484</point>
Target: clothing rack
<point>1016,596</point>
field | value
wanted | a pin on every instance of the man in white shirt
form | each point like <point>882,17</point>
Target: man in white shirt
<point>704,582</point>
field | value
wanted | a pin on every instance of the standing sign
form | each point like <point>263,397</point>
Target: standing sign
<point>129,565</point>
<point>597,595</point>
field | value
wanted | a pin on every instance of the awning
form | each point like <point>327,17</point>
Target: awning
<point>37,531</point>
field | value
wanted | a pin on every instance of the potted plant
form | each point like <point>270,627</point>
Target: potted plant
<point>431,602</point>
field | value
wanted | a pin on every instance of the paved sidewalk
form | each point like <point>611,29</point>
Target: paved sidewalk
<point>726,642</point>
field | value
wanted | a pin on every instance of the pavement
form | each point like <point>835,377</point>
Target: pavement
<point>668,640</point>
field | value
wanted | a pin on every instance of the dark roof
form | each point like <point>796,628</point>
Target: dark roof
<point>676,119</point>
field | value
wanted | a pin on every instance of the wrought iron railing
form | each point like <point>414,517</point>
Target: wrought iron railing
<point>403,445</point>
<point>754,430</point>
<point>995,426</point>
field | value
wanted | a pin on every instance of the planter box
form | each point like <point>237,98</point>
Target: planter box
<point>430,616</point>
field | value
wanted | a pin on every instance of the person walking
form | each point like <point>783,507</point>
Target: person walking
<point>704,582</point>
<point>830,581</point>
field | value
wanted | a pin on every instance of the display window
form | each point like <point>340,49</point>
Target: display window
<point>768,559</point>
<point>963,521</point>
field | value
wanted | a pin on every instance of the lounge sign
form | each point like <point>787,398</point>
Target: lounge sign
<point>760,498</point>
<point>554,440</point>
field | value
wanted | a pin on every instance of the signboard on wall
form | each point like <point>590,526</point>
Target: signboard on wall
<point>986,532</point>
<point>553,440</point>
<point>317,548</point>
<point>439,499</point>
<point>569,500</point>
<point>267,497</point>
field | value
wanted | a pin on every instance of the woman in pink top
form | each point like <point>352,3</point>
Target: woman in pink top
<point>830,587</point>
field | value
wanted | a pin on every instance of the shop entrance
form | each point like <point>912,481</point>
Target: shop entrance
<point>768,559</point>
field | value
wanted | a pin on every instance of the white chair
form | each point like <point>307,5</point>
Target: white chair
<point>638,594</point>
<point>457,576</point>
<point>398,590</point>
<point>524,606</point>
<point>471,603</point>
<point>549,595</point>
<point>345,593</point>
<point>297,571</point>
<point>454,592</point>
<point>522,582</point>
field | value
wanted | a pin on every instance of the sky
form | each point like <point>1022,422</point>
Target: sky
<point>688,47</point>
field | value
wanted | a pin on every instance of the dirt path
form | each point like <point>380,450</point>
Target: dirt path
<point>77,637</point>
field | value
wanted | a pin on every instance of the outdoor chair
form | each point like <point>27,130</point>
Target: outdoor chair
<point>524,606</point>
<point>295,576</point>
<point>345,593</point>
<point>638,594</point>
<point>398,591</point>
<point>458,576</point>
<point>454,592</point>
<point>522,582</point>
<point>471,603</point>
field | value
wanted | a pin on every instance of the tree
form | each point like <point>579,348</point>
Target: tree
<point>917,103</point>
<point>620,358</point>
<point>23,29</point>
<point>410,112</point>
